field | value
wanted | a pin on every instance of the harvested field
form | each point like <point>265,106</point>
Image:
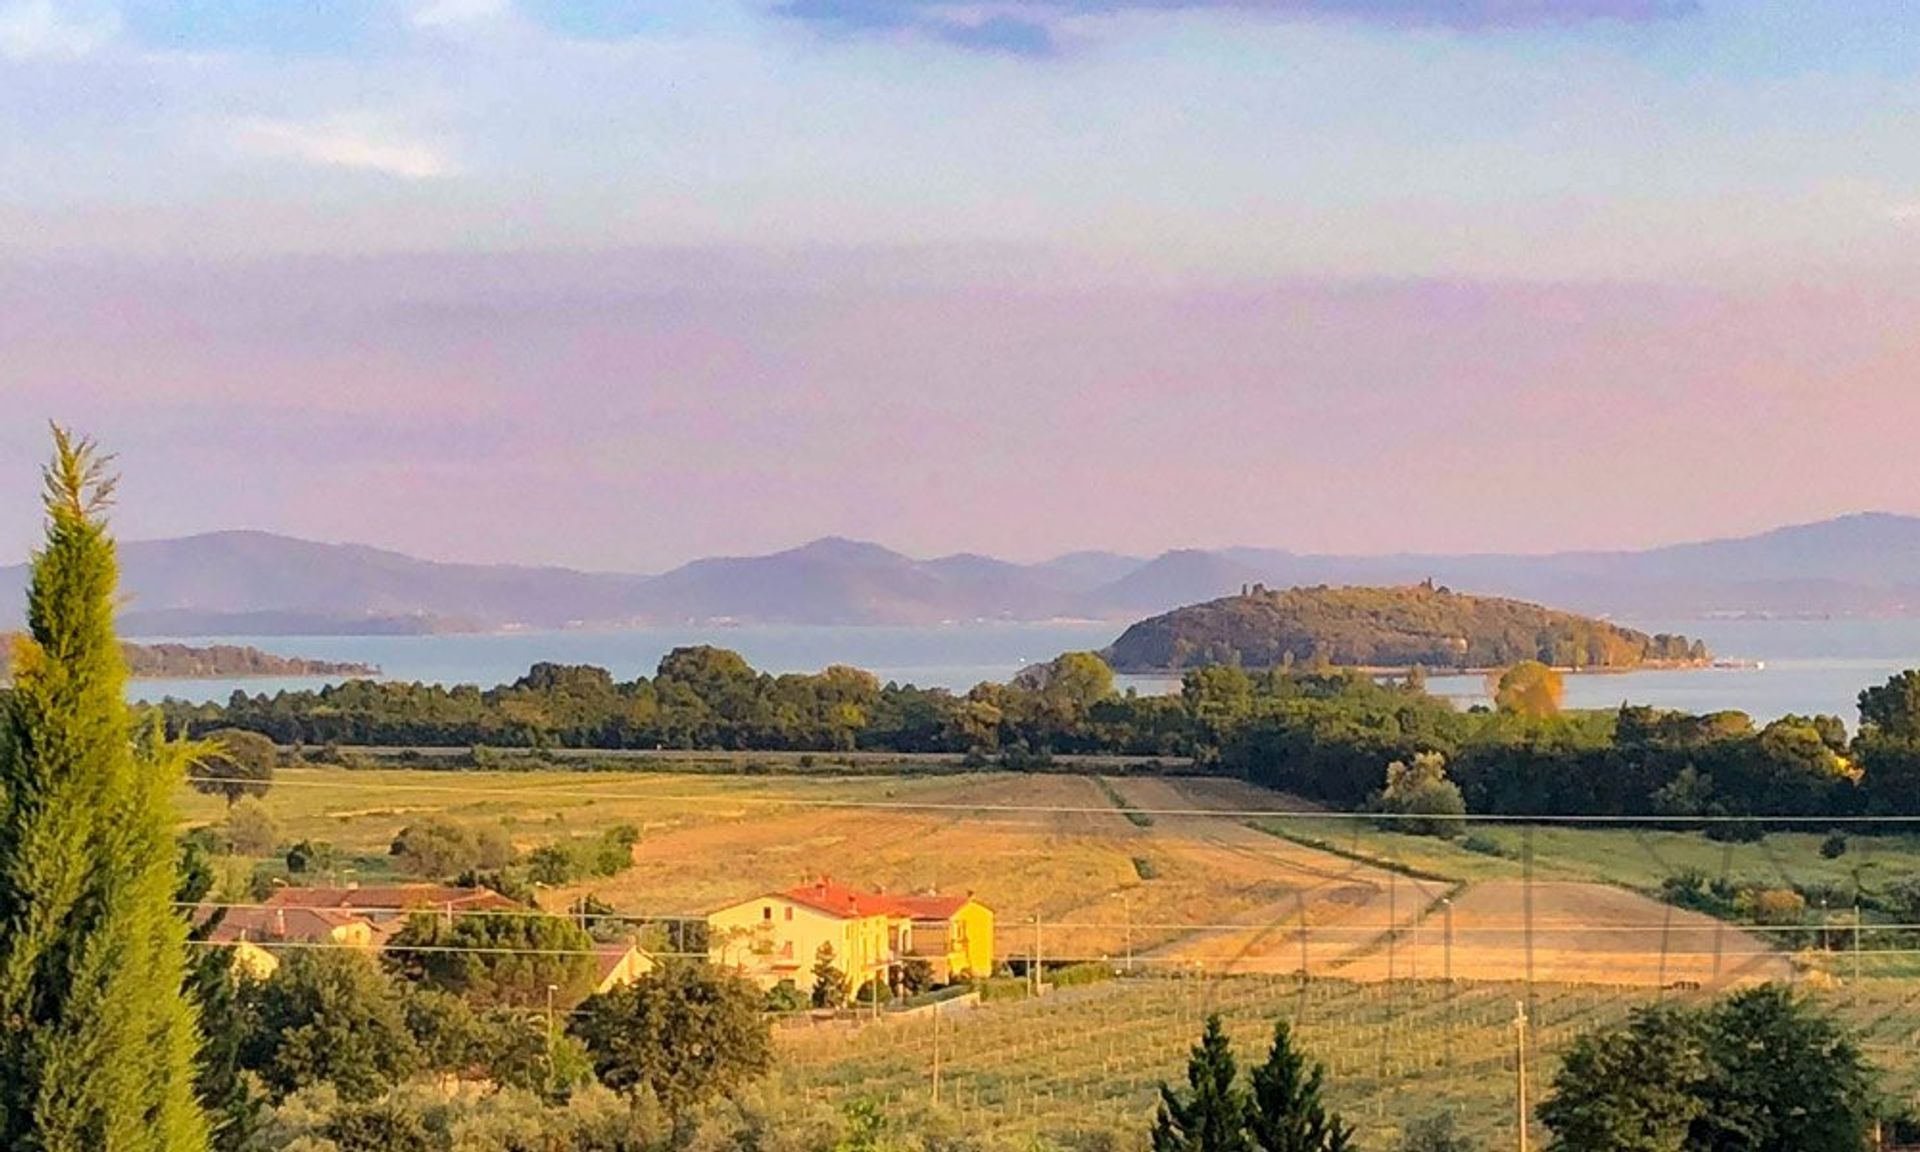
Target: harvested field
<point>1553,930</point>
<point>1079,870</point>
<point>1174,888</point>
<point>1568,932</point>
<point>1292,905</point>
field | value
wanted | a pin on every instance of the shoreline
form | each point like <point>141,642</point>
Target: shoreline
<point>1379,671</point>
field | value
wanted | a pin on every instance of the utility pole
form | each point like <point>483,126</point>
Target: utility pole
<point>1414,961</point>
<point>1034,976</point>
<point>936,1053</point>
<point>1446,968</point>
<point>1126,902</point>
<point>551,989</point>
<point>1393,923</point>
<point>1856,949</point>
<point>1520,1049</point>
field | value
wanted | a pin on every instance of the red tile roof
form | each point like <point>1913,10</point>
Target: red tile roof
<point>394,898</point>
<point>824,895</point>
<point>931,907</point>
<point>607,959</point>
<point>271,925</point>
<point>845,902</point>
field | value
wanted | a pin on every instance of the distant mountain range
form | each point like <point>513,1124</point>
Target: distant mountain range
<point>256,583</point>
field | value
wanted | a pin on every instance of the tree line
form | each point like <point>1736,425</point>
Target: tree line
<point>1324,733</point>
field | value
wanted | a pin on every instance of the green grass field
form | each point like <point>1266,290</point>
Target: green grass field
<point>1630,857</point>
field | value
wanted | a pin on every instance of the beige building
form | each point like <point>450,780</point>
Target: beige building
<point>257,935</point>
<point>359,918</point>
<point>616,965</point>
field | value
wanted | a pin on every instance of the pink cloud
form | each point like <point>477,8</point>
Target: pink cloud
<point>632,410</point>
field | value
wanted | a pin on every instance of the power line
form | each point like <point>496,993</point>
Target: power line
<point>1214,965</point>
<point>1499,927</point>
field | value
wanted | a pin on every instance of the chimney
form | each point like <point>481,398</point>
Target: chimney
<point>280,923</point>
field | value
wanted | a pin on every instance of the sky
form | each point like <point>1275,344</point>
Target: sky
<point>619,283</point>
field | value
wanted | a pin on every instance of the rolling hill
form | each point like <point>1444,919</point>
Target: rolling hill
<point>257,583</point>
<point>1383,627</point>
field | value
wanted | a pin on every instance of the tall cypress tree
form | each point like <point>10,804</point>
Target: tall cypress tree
<point>97,1038</point>
<point>1285,1113</point>
<point>1211,1115</point>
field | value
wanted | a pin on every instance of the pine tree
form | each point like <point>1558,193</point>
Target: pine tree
<point>1285,1113</point>
<point>829,983</point>
<point>97,1037</point>
<point>1211,1115</point>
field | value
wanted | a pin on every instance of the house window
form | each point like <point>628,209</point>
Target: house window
<point>789,913</point>
<point>767,912</point>
<point>786,950</point>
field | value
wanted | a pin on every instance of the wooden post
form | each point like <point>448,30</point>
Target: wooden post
<point>1393,921</point>
<point>1034,976</point>
<point>1520,1048</point>
<point>936,1053</point>
<point>1856,949</point>
<point>1446,962</point>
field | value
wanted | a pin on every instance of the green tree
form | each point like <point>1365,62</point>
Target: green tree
<point>1758,1071</point>
<point>785,997</point>
<point>330,1017</point>
<point>1420,798</point>
<point>829,983</point>
<point>310,856</point>
<point>228,1097</point>
<point>437,847</point>
<point>521,1053</point>
<point>496,959</point>
<point>1284,1111</point>
<point>1211,1115</point>
<point>1529,689</point>
<point>1433,1133</point>
<point>385,1127</point>
<point>1631,1089</point>
<point>1782,1077</point>
<point>448,1035</point>
<point>251,829</point>
<point>97,1036</point>
<point>240,763</point>
<point>1893,709</point>
<point>686,1032</point>
<point>916,975</point>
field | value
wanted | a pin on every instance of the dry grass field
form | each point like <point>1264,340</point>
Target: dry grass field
<point>1190,884</point>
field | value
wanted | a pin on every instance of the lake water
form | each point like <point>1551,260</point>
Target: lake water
<point>1811,665</point>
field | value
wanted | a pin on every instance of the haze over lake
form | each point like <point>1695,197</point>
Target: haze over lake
<point>1812,666</point>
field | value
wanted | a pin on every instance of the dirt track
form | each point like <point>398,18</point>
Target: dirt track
<point>1494,930</point>
<point>1307,907</point>
<point>1580,933</point>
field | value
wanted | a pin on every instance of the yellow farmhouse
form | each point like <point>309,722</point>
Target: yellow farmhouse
<point>777,936</point>
<point>952,933</point>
